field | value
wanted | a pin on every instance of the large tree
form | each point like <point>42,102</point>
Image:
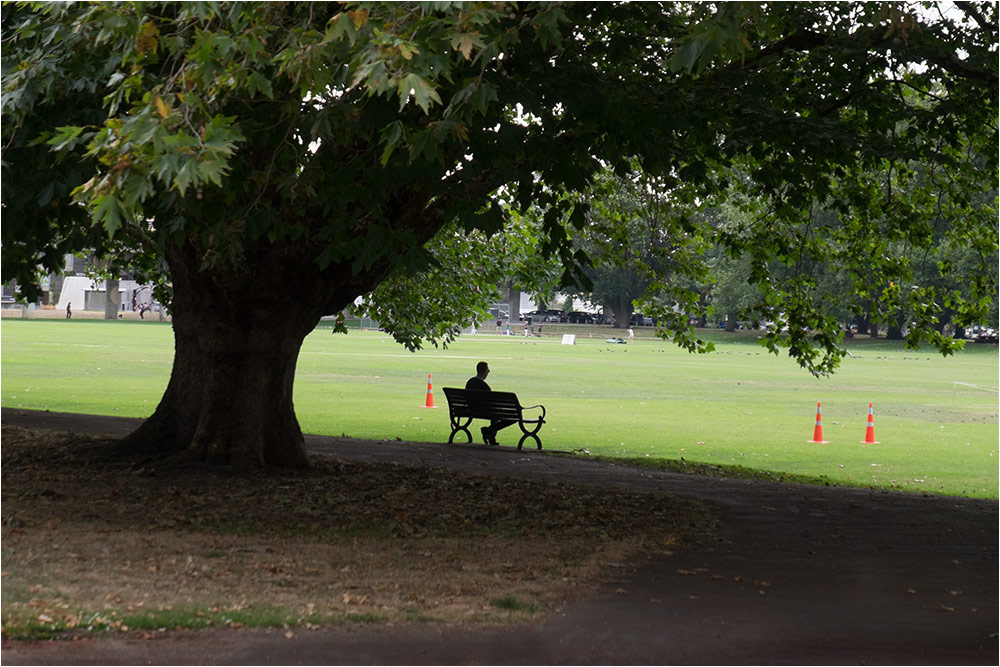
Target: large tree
<point>636,247</point>
<point>281,159</point>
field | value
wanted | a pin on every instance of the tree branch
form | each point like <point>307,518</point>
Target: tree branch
<point>916,45</point>
<point>972,11</point>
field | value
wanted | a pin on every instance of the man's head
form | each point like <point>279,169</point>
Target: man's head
<point>482,369</point>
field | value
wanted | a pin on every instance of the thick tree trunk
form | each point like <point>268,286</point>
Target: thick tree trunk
<point>622,308</point>
<point>229,399</point>
<point>866,326</point>
<point>703,307</point>
<point>242,306</point>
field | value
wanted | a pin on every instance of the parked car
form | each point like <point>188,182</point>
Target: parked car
<point>555,316</point>
<point>640,320</point>
<point>578,317</point>
<point>986,335</point>
<point>535,316</point>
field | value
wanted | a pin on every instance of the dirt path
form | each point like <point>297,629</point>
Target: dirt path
<point>802,575</point>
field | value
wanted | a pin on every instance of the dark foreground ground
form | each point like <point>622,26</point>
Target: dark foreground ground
<point>803,575</point>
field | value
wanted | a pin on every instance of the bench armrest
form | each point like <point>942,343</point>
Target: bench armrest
<point>530,407</point>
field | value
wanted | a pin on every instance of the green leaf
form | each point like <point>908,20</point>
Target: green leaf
<point>45,196</point>
<point>221,136</point>
<point>137,188</point>
<point>108,213</point>
<point>212,170</point>
<point>391,136</point>
<point>260,83</point>
<point>67,138</point>
<point>339,27</point>
<point>422,90</point>
<point>688,58</point>
<point>187,175</point>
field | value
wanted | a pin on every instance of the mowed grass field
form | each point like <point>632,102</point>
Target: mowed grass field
<point>936,418</point>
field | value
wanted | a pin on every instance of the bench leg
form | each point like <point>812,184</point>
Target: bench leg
<point>530,434</point>
<point>456,426</point>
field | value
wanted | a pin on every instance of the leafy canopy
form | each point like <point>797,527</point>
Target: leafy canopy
<point>344,137</point>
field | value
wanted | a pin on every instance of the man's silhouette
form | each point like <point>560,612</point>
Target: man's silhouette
<point>478,383</point>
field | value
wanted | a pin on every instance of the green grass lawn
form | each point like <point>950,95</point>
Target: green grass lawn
<point>936,418</point>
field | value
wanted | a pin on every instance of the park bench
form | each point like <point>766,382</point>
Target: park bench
<point>464,405</point>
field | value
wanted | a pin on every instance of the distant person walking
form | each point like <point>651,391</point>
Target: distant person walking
<point>69,311</point>
<point>631,335</point>
<point>478,383</point>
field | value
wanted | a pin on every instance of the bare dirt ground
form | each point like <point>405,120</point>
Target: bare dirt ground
<point>791,574</point>
<point>98,542</point>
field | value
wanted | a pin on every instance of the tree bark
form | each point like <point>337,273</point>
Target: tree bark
<point>229,398</point>
<point>895,330</point>
<point>239,323</point>
<point>866,326</point>
<point>622,308</point>
<point>703,307</point>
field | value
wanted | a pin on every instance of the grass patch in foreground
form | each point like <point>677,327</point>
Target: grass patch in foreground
<point>512,603</point>
<point>27,624</point>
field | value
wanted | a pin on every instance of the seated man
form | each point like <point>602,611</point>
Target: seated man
<point>478,383</point>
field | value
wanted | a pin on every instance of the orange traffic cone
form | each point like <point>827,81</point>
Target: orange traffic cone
<point>870,431</point>
<point>818,430</point>
<point>430,394</point>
